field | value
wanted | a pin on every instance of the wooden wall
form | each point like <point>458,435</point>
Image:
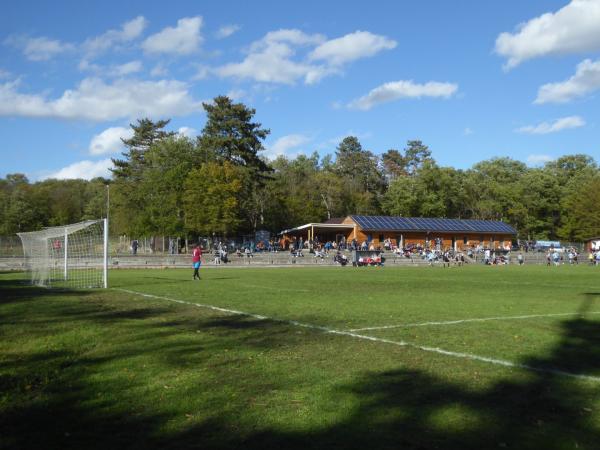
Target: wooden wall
<point>472,239</point>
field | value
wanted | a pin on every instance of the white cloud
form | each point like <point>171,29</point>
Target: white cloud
<point>183,39</point>
<point>351,47</point>
<point>40,48</point>
<point>83,169</point>
<point>86,66</point>
<point>113,70</point>
<point>573,28</point>
<point>275,58</point>
<point>227,30</point>
<point>536,160</point>
<point>283,145</point>
<point>290,36</point>
<point>202,72</point>
<point>109,141</point>
<point>585,81</point>
<point>564,123</point>
<point>188,132</point>
<point>43,48</point>
<point>93,99</point>
<point>4,74</point>
<point>270,59</point>
<point>127,33</point>
<point>159,71</point>
<point>271,65</point>
<point>127,68</point>
<point>396,90</point>
<point>468,131</point>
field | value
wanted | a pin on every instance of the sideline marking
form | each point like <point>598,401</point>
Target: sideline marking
<point>499,362</point>
<point>483,319</point>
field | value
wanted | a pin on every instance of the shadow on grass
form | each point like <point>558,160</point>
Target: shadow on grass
<point>51,398</point>
<point>157,280</point>
<point>20,289</point>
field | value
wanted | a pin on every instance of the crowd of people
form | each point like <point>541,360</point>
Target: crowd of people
<point>434,252</point>
<point>594,257</point>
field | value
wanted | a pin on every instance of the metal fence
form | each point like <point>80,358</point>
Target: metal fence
<point>10,246</point>
<point>262,241</point>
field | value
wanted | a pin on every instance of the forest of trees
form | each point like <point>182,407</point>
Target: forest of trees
<point>167,184</point>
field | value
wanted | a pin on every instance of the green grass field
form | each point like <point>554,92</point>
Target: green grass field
<point>412,358</point>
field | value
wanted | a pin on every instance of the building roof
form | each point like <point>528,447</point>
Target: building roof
<point>328,226</point>
<point>422,224</point>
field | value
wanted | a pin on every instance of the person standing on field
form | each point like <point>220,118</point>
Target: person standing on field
<point>196,255</point>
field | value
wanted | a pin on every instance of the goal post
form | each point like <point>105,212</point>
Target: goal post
<point>68,256</point>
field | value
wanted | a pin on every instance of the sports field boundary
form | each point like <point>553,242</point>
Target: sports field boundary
<point>468,356</point>
<point>480,319</point>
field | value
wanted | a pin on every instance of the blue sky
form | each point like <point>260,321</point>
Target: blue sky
<point>473,80</point>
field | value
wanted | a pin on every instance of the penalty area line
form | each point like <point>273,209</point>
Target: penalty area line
<point>482,319</point>
<point>469,356</point>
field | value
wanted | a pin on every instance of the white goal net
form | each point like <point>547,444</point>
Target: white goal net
<point>69,256</point>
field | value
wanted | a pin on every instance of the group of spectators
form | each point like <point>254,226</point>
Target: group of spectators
<point>594,257</point>
<point>222,256</point>
<point>433,254</point>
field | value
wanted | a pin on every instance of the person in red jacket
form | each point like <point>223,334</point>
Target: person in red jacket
<point>196,255</point>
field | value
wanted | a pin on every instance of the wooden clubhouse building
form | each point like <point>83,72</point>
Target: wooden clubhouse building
<point>457,234</point>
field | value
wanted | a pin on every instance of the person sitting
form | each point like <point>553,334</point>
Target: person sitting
<point>340,258</point>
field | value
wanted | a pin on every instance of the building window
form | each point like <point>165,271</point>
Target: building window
<point>381,238</point>
<point>465,240</point>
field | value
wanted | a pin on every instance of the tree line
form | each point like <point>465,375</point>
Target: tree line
<point>218,183</point>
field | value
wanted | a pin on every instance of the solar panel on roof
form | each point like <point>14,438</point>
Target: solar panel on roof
<point>450,225</point>
<point>425,224</point>
<point>382,222</point>
<point>433,224</point>
<point>459,225</point>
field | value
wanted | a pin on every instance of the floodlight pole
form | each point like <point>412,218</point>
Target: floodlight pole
<point>66,248</point>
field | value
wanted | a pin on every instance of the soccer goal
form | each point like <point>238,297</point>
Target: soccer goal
<point>69,256</point>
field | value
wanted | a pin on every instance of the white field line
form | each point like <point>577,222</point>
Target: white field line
<point>498,362</point>
<point>482,319</point>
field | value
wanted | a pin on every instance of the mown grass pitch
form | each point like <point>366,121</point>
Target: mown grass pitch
<point>472,357</point>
